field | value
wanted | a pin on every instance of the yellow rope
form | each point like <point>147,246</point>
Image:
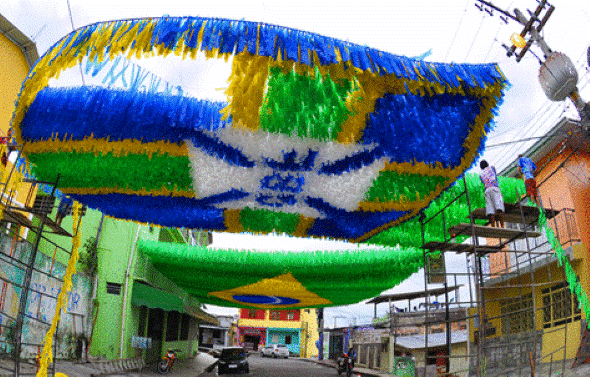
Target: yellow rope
<point>62,298</point>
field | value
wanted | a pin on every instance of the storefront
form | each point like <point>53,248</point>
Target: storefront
<point>252,338</point>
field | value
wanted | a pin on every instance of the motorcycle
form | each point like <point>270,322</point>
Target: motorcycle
<point>345,364</point>
<point>165,365</point>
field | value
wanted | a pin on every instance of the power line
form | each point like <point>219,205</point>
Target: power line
<point>457,31</point>
<point>74,28</point>
<point>515,141</point>
<point>475,38</point>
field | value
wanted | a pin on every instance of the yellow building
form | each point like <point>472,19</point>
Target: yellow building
<point>17,56</point>
<point>297,329</point>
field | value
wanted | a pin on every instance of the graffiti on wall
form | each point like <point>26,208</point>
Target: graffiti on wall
<point>41,302</point>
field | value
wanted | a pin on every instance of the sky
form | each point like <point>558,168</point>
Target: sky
<point>452,30</point>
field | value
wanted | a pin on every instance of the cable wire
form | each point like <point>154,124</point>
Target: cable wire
<point>456,31</point>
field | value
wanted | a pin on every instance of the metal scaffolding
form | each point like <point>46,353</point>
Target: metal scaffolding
<point>516,293</point>
<point>22,228</point>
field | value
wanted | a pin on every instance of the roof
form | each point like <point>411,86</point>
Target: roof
<point>544,145</point>
<point>411,295</point>
<point>17,37</point>
<point>434,340</point>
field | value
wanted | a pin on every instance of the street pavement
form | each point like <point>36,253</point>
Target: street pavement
<point>292,367</point>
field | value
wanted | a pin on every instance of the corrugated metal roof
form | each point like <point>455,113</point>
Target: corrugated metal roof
<point>411,295</point>
<point>434,340</point>
<point>17,37</point>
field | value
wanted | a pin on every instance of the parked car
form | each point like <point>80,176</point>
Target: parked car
<point>232,360</point>
<point>275,350</point>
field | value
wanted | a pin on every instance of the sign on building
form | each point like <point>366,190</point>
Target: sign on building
<point>435,264</point>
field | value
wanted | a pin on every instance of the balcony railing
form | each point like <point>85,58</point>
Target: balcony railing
<point>533,250</point>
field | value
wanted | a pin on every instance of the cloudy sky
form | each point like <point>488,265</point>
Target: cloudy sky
<point>454,32</point>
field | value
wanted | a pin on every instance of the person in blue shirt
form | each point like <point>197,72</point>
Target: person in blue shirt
<point>527,168</point>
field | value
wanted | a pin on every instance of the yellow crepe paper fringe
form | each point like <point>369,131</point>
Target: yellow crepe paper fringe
<point>126,191</point>
<point>62,297</point>
<point>104,146</point>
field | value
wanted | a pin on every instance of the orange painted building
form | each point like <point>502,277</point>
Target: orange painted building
<point>562,158</point>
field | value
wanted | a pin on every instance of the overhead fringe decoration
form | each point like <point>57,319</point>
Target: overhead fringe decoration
<point>317,138</point>
<point>46,355</point>
<point>282,279</point>
<point>409,233</point>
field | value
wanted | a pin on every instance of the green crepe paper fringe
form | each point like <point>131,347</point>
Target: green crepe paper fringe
<point>266,221</point>
<point>132,171</point>
<point>408,234</point>
<point>392,186</point>
<point>343,277</point>
<point>317,112</point>
<point>570,274</point>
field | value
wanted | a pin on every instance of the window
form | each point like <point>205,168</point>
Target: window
<point>172,326</point>
<point>274,339</point>
<point>252,313</point>
<point>113,288</point>
<point>517,315</point>
<point>184,326</point>
<point>290,315</point>
<point>275,315</point>
<point>288,339</point>
<point>559,306</point>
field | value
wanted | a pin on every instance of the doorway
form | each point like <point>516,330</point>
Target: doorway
<point>155,330</point>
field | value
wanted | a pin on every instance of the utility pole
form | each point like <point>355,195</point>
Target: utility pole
<point>320,313</point>
<point>558,76</point>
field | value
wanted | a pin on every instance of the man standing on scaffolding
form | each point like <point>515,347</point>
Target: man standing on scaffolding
<point>493,195</point>
<point>527,168</point>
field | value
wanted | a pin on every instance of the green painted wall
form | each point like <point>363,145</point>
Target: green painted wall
<point>115,247</point>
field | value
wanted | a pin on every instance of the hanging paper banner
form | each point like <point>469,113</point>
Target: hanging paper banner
<point>317,137</point>
<point>282,279</point>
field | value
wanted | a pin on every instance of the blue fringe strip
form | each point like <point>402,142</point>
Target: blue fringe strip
<point>193,213</point>
<point>231,36</point>
<point>405,128</point>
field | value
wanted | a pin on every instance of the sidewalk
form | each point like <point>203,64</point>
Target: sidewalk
<point>181,368</point>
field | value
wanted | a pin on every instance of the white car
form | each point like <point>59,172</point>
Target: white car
<point>275,350</point>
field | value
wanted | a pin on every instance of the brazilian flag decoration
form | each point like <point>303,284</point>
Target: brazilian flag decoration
<point>317,137</point>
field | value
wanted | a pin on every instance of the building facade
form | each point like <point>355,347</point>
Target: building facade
<point>212,337</point>
<point>546,309</point>
<point>297,329</point>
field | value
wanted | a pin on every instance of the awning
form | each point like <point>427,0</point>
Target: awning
<point>144,295</point>
<point>154,298</point>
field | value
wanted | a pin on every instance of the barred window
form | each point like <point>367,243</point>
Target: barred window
<point>517,315</point>
<point>275,315</point>
<point>559,306</point>
<point>252,313</point>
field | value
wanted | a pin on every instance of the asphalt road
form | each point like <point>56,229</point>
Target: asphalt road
<point>291,367</point>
